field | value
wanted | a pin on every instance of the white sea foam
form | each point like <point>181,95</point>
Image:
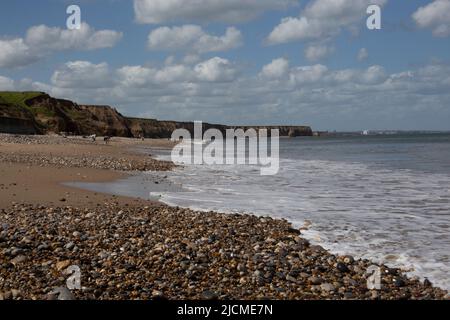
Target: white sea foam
<point>399,217</point>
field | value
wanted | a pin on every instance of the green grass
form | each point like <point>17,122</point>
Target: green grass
<point>74,114</point>
<point>42,111</point>
<point>17,98</point>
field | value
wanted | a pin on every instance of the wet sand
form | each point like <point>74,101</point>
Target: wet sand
<point>27,178</point>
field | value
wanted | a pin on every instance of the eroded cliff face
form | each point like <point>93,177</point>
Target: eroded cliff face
<point>18,126</point>
<point>107,121</point>
<point>42,114</point>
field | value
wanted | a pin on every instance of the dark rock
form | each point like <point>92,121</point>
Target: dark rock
<point>342,267</point>
<point>348,295</point>
<point>212,239</point>
<point>209,295</point>
<point>399,282</point>
<point>294,231</point>
<point>392,271</point>
<point>316,249</point>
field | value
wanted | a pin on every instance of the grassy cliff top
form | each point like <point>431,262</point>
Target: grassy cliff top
<point>18,98</point>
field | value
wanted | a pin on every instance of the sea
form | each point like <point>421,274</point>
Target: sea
<point>383,197</point>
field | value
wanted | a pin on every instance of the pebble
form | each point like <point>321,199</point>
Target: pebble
<point>327,287</point>
<point>178,254</point>
<point>399,282</point>
<point>290,278</point>
<point>348,295</point>
<point>315,280</point>
<point>349,260</point>
<point>427,283</point>
<point>62,265</point>
<point>374,295</point>
<point>342,267</point>
<point>16,251</point>
<point>209,295</point>
<point>43,246</point>
<point>18,260</point>
<point>95,162</point>
<point>15,293</point>
<point>69,246</point>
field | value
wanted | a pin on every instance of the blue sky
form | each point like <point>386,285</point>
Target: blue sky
<point>248,68</point>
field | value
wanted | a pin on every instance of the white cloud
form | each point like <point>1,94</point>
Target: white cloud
<point>232,11</point>
<point>276,69</point>
<point>6,84</point>
<point>191,59</point>
<point>215,70</point>
<point>193,39</point>
<point>82,74</point>
<point>316,52</point>
<point>14,53</point>
<point>374,75</point>
<point>363,54</point>
<point>87,75</point>
<point>321,19</point>
<point>213,90</point>
<point>174,73</point>
<point>435,15</point>
<point>41,41</point>
<point>42,38</point>
<point>135,76</point>
<point>308,74</point>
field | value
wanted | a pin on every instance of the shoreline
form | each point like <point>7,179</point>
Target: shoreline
<point>248,257</point>
<point>35,168</point>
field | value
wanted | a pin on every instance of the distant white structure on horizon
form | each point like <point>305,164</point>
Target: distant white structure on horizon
<point>365,132</point>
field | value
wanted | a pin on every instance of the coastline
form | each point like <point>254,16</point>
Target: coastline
<point>33,169</point>
<point>136,249</point>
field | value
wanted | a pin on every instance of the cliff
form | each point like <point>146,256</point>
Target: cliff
<point>38,113</point>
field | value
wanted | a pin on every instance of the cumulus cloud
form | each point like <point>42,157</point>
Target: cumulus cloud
<point>435,16</point>
<point>6,84</point>
<point>276,69</point>
<point>41,41</point>
<point>87,75</point>
<point>232,11</point>
<point>308,74</point>
<point>321,19</point>
<point>316,52</point>
<point>214,90</point>
<point>56,39</point>
<point>15,52</point>
<point>193,39</point>
<point>82,74</point>
<point>215,70</point>
<point>363,54</point>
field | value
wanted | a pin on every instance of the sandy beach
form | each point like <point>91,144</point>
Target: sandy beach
<point>128,248</point>
<point>34,168</point>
